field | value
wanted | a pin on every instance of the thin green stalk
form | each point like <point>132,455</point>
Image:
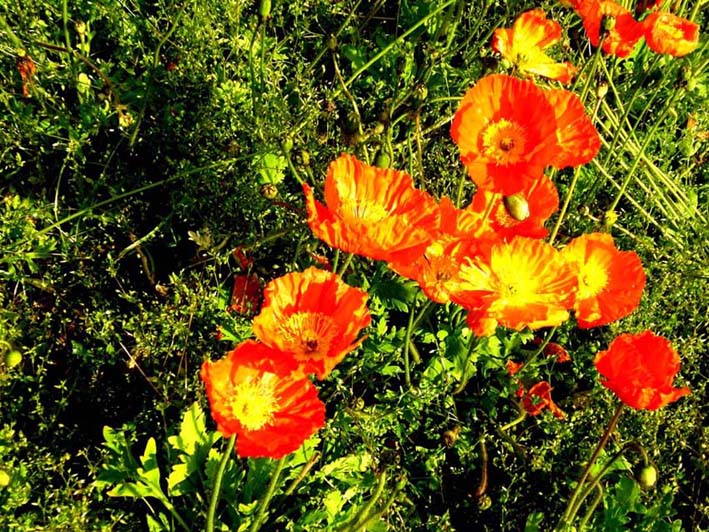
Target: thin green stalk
<point>648,138</point>
<point>459,190</point>
<point>572,508</point>
<point>640,88</point>
<point>592,507</point>
<point>538,352</point>
<point>218,483</point>
<point>303,473</point>
<point>11,34</point>
<point>113,199</point>
<point>256,525</point>
<point>358,520</point>
<point>346,264</point>
<point>407,342</point>
<point>464,377</point>
<point>396,42</point>
<point>565,205</point>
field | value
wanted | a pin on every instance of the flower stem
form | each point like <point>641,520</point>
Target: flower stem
<point>256,525</point>
<point>573,505</point>
<point>218,483</point>
<point>464,376</point>
<point>346,264</point>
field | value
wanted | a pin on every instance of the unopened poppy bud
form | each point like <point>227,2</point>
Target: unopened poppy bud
<point>80,27</point>
<point>378,128</point>
<point>602,90</point>
<point>305,158</point>
<point>269,191</point>
<point>265,9</point>
<point>332,43</point>
<point>383,160</point>
<point>287,145</point>
<point>484,502</point>
<point>451,436</point>
<point>4,478</point>
<point>609,219</point>
<point>647,477</point>
<point>421,92</point>
<point>13,358</point>
<point>516,206</point>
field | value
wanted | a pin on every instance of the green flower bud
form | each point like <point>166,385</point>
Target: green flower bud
<point>13,358</point>
<point>4,478</point>
<point>647,477</point>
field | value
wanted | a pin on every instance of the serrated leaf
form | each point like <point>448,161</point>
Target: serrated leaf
<point>270,168</point>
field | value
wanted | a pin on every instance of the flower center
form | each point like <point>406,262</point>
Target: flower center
<point>592,280</point>
<point>365,210</point>
<point>254,400</point>
<point>504,142</point>
<point>309,334</point>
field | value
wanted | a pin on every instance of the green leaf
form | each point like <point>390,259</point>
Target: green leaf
<point>192,444</point>
<point>534,520</point>
<point>270,167</point>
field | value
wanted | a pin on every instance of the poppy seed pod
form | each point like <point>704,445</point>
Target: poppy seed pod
<point>517,207</point>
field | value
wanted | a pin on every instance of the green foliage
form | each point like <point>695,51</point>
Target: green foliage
<point>136,164</point>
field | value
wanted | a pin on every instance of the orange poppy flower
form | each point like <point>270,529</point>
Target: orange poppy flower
<point>624,31</point>
<point>521,214</point>
<point>254,393</point>
<point>314,316</point>
<point>610,281</point>
<point>552,349</point>
<point>639,369</point>
<point>438,266</point>
<point>506,134</point>
<point>538,397</point>
<point>524,44</point>
<point>375,212</point>
<point>577,138</point>
<point>666,33</point>
<point>521,283</point>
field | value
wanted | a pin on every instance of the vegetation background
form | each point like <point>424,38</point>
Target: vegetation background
<point>148,140</point>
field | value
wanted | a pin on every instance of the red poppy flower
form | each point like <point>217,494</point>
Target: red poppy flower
<point>666,33</point>
<point>538,397</point>
<point>314,316</point>
<point>639,369</point>
<point>524,44</point>
<point>506,133</point>
<point>437,268</point>
<point>375,212</point>
<point>611,282</point>
<point>577,138</point>
<point>521,214</point>
<point>521,283</point>
<point>623,31</point>
<point>246,294</point>
<point>254,393</point>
